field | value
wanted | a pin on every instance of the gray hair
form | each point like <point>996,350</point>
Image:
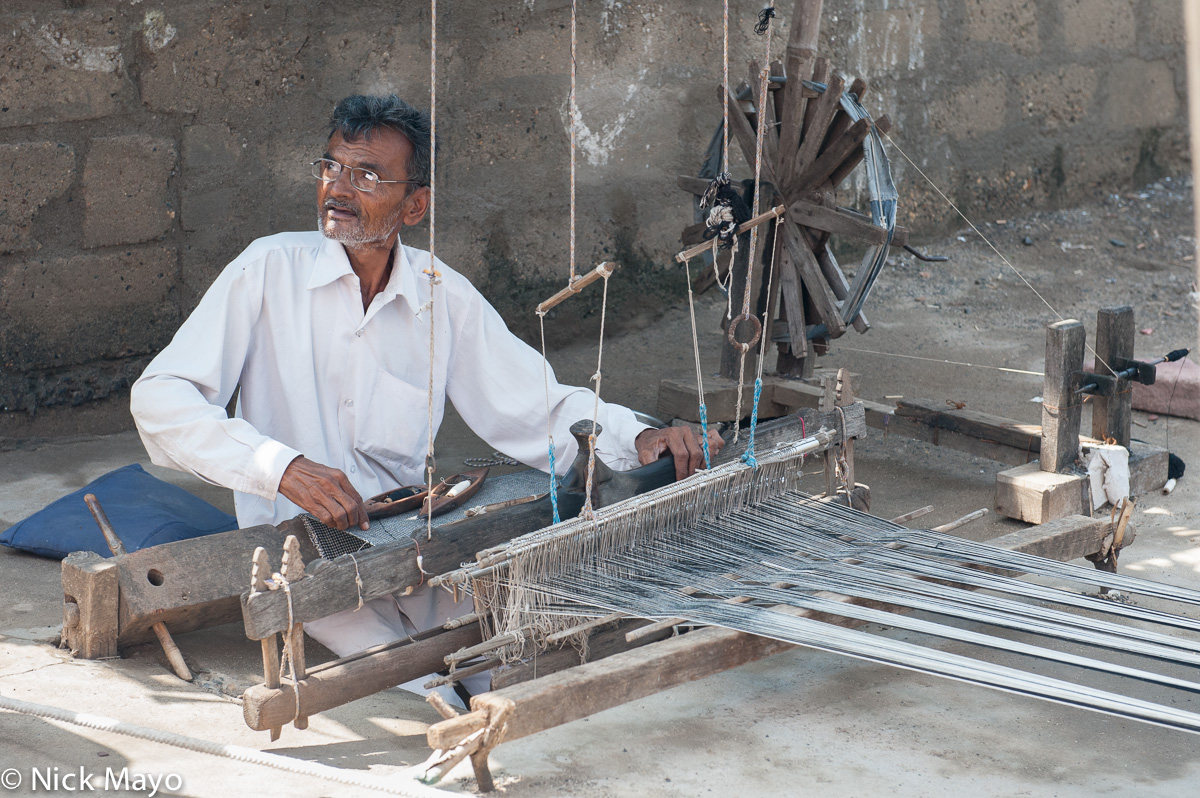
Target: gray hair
<point>359,115</point>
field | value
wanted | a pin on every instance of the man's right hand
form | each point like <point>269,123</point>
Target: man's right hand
<point>325,492</point>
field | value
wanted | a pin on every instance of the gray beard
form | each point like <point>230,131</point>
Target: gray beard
<point>360,235</point>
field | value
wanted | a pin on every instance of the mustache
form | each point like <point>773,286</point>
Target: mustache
<point>342,206</point>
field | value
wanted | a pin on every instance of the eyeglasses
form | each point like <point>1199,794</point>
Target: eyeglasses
<point>362,179</point>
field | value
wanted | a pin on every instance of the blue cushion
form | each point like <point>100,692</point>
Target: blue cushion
<point>144,510</point>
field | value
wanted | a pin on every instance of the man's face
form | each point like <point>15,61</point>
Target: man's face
<point>357,218</point>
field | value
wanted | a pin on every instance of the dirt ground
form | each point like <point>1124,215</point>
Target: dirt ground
<point>798,723</point>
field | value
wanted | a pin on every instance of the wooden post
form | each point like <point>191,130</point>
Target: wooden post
<point>801,53</point>
<point>1062,408</point>
<point>845,398</point>
<point>1111,415</point>
<point>89,584</point>
<point>259,573</point>
<point>292,570</point>
<point>332,684</point>
<point>828,402</point>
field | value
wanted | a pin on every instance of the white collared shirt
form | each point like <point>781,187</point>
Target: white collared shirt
<point>348,389</point>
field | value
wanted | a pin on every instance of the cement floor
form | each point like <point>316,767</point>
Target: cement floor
<point>798,723</point>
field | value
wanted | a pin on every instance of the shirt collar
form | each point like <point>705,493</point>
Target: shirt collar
<point>332,264</point>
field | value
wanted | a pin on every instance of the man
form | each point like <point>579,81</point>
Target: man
<point>328,336</point>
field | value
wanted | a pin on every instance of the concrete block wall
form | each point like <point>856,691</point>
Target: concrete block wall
<point>144,143</point>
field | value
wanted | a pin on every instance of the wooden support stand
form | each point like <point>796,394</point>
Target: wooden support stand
<point>185,585</point>
<point>1056,486</point>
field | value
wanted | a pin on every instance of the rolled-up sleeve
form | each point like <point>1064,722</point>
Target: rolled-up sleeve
<point>497,383</point>
<point>179,402</point>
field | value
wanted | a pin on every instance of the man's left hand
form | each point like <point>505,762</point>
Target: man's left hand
<point>682,443</point>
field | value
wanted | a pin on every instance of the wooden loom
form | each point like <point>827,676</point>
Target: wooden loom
<point>627,659</point>
<point>620,669</point>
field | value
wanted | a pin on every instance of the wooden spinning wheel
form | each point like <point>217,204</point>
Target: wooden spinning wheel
<point>814,139</point>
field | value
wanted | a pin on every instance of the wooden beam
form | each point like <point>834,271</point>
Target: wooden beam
<point>883,124</point>
<point>744,133</point>
<point>837,221</point>
<point>1111,415</point>
<point>816,125</point>
<point>815,173</point>
<point>341,681</point>
<point>1065,539</point>
<point>1062,408</point>
<point>826,305</point>
<point>600,644</point>
<point>677,399</point>
<point>982,427</point>
<point>981,434</point>
<point>603,271</point>
<point>90,591</point>
<point>837,282</point>
<point>744,227</point>
<point>842,120</point>
<point>191,584</point>
<point>801,52</point>
<point>330,586</point>
<point>793,303</point>
<point>579,692</point>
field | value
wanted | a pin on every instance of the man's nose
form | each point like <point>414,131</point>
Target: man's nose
<point>341,185</point>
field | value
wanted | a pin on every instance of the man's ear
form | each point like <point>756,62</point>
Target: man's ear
<point>415,206</point>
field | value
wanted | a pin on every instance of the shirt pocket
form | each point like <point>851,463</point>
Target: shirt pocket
<point>395,429</point>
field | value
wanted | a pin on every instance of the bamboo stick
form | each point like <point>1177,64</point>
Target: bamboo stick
<point>688,254</point>
<point>581,282</point>
<point>583,627</point>
<point>966,519</point>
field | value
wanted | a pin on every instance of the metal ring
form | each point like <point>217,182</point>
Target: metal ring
<point>731,332</point>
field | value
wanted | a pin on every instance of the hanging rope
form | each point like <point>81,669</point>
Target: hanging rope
<point>541,314</point>
<point>574,123</point>
<point>699,372</point>
<point>728,208</point>
<point>430,462</point>
<point>764,81</point>
<point>587,512</point>
<point>748,455</point>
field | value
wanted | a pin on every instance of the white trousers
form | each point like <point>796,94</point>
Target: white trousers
<point>393,617</point>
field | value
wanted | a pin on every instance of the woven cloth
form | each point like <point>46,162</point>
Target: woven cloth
<point>332,542</point>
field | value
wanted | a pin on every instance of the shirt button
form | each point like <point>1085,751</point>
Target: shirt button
<point>353,469</point>
<point>358,333</point>
<point>349,403</point>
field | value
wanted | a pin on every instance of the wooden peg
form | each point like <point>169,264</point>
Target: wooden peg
<point>436,701</point>
<point>259,574</point>
<point>292,571</point>
<point>845,398</point>
<point>828,402</point>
